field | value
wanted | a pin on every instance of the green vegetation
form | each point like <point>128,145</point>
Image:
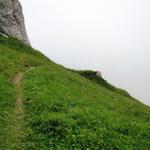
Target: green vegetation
<point>92,75</point>
<point>63,109</point>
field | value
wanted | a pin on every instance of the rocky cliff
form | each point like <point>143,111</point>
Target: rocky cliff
<point>12,20</point>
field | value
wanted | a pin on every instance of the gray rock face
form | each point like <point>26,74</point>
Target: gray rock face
<point>12,20</point>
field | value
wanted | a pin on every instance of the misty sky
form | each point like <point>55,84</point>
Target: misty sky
<point>112,36</point>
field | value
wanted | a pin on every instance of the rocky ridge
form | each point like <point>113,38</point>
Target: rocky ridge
<point>12,20</point>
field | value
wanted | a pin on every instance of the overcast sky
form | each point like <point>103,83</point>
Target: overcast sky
<point>112,36</point>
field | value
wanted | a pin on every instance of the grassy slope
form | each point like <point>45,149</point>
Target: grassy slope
<point>91,75</point>
<point>64,110</point>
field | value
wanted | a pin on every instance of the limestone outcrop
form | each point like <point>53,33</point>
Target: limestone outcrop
<point>12,20</point>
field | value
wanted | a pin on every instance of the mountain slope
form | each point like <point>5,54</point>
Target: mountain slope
<point>61,109</point>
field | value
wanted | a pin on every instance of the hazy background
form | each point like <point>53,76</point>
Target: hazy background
<point>112,36</point>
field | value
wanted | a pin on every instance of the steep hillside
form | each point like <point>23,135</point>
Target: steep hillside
<point>48,107</point>
<point>92,75</point>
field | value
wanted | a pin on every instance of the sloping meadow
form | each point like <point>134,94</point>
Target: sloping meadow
<point>64,110</point>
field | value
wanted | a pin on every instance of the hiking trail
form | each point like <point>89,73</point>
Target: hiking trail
<point>17,130</point>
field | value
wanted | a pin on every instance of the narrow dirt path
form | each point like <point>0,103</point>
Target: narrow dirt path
<point>17,79</point>
<point>17,130</point>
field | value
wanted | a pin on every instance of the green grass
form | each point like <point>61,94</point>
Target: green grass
<point>66,110</point>
<point>92,75</point>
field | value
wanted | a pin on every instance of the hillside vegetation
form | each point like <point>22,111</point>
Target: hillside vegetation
<point>52,108</point>
<point>92,75</point>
